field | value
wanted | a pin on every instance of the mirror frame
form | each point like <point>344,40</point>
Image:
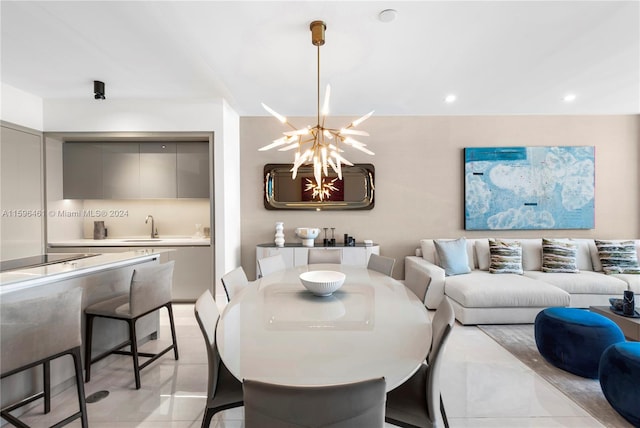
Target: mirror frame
<point>367,170</point>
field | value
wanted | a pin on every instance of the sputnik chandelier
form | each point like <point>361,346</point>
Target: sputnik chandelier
<point>319,145</point>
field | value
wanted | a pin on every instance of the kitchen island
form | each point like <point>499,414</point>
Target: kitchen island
<point>101,277</point>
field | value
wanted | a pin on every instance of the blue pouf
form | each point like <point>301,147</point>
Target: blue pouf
<point>574,339</point>
<point>620,379</point>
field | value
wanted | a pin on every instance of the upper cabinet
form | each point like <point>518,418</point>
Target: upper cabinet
<point>158,170</point>
<point>82,171</point>
<point>135,170</point>
<point>120,171</point>
<point>193,170</point>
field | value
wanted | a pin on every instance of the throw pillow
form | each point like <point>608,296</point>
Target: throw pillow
<point>506,257</point>
<point>618,256</point>
<point>559,256</point>
<point>453,256</point>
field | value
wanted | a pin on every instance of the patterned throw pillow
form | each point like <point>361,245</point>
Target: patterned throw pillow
<point>506,257</point>
<point>559,256</point>
<point>618,256</point>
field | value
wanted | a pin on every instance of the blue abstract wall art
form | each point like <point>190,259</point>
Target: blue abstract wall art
<point>529,187</point>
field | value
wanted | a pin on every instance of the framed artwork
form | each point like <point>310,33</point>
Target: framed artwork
<point>529,187</point>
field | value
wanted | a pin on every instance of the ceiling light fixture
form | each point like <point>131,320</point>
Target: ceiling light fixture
<point>98,90</point>
<point>569,98</point>
<point>387,15</point>
<point>450,98</point>
<point>319,145</point>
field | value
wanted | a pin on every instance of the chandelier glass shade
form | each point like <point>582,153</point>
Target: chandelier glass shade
<point>319,145</point>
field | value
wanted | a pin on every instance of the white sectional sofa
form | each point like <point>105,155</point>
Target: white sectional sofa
<point>481,297</point>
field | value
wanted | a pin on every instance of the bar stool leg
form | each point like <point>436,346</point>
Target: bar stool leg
<point>77,362</point>
<point>134,351</point>
<point>46,382</point>
<point>87,347</point>
<point>173,330</point>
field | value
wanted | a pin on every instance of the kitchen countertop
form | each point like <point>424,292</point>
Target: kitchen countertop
<point>25,278</point>
<point>134,241</point>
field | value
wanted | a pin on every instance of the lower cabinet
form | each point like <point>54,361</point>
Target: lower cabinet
<point>298,255</point>
<point>192,275</point>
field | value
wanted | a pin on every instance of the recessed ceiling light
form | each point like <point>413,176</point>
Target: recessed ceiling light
<point>387,15</point>
<point>450,98</point>
<point>569,98</point>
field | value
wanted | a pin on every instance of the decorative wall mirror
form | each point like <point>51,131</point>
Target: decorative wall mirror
<point>353,192</point>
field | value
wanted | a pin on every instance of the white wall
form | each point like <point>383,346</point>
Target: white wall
<point>20,107</point>
<point>227,196</point>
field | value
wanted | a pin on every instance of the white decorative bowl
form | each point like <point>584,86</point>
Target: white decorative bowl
<point>322,282</point>
<point>307,234</point>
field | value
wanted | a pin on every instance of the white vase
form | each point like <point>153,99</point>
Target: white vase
<point>279,234</point>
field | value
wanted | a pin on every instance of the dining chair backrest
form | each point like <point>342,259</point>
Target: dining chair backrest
<point>150,287</point>
<point>320,255</point>
<point>207,316</point>
<point>442,324</point>
<point>271,264</point>
<point>224,391</point>
<point>353,405</point>
<point>234,281</point>
<point>381,264</point>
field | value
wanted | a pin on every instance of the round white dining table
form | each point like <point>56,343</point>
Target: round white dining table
<point>276,331</point>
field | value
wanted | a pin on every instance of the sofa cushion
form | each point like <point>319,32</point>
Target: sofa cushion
<point>481,289</point>
<point>618,256</point>
<point>453,256</point>
<point>506,257</point>
<point>531,253</point>
<point>429,251</point>
<point>586,282</point>
<point>632,280</point>
<point>559,256</point>
<point>595,257</point>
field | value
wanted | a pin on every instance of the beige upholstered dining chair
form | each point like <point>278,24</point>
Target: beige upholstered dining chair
<point>381,264</point>
<point>418,402</point>
<point>150,291</point>
<point>234,281</point>
<point>271,264</point>
<point>353,405</point>
<point>35,332</point>
<point>224,391</point>
<point>319,255</point>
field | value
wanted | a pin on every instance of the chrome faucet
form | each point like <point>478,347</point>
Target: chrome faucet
<point>154,231</point>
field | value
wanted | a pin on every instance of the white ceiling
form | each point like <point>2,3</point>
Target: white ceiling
<point>498,57</point>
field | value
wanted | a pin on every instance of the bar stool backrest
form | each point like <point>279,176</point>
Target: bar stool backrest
<point>37,328</point>
<point>150,287</point>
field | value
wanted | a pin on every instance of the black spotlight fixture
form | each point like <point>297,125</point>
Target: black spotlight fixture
<point>98,90</point>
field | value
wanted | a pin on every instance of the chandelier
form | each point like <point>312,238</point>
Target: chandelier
<point>319,145</point>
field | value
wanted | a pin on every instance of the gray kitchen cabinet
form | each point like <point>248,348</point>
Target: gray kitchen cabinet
<point>120,170</point>
<point>135,170</point>
<point>21,197</point>
<point>158,170</point>
<point>193,170</point>
<point>192,274</point>
<point>82,170</point>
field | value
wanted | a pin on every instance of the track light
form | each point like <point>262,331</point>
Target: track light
<point>98,90</point>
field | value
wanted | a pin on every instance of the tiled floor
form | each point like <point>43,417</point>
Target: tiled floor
<point>483,386</point>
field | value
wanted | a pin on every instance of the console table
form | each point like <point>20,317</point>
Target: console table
<point>296,255</point>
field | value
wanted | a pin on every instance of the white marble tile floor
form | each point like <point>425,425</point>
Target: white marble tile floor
<point>483,386</point>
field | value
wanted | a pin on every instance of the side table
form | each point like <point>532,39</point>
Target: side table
<point>629,326</point>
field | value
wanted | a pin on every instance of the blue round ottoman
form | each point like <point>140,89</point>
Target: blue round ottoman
<point>620,379</point>
<point>574,339</point>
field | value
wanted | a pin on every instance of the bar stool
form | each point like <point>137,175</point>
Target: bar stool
<point>36,331</point>
<point>150,291</point>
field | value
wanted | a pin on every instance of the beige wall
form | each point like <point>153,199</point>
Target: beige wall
<point>419,177</point>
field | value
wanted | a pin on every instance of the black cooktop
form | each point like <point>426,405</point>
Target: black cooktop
<point>41,260</point>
